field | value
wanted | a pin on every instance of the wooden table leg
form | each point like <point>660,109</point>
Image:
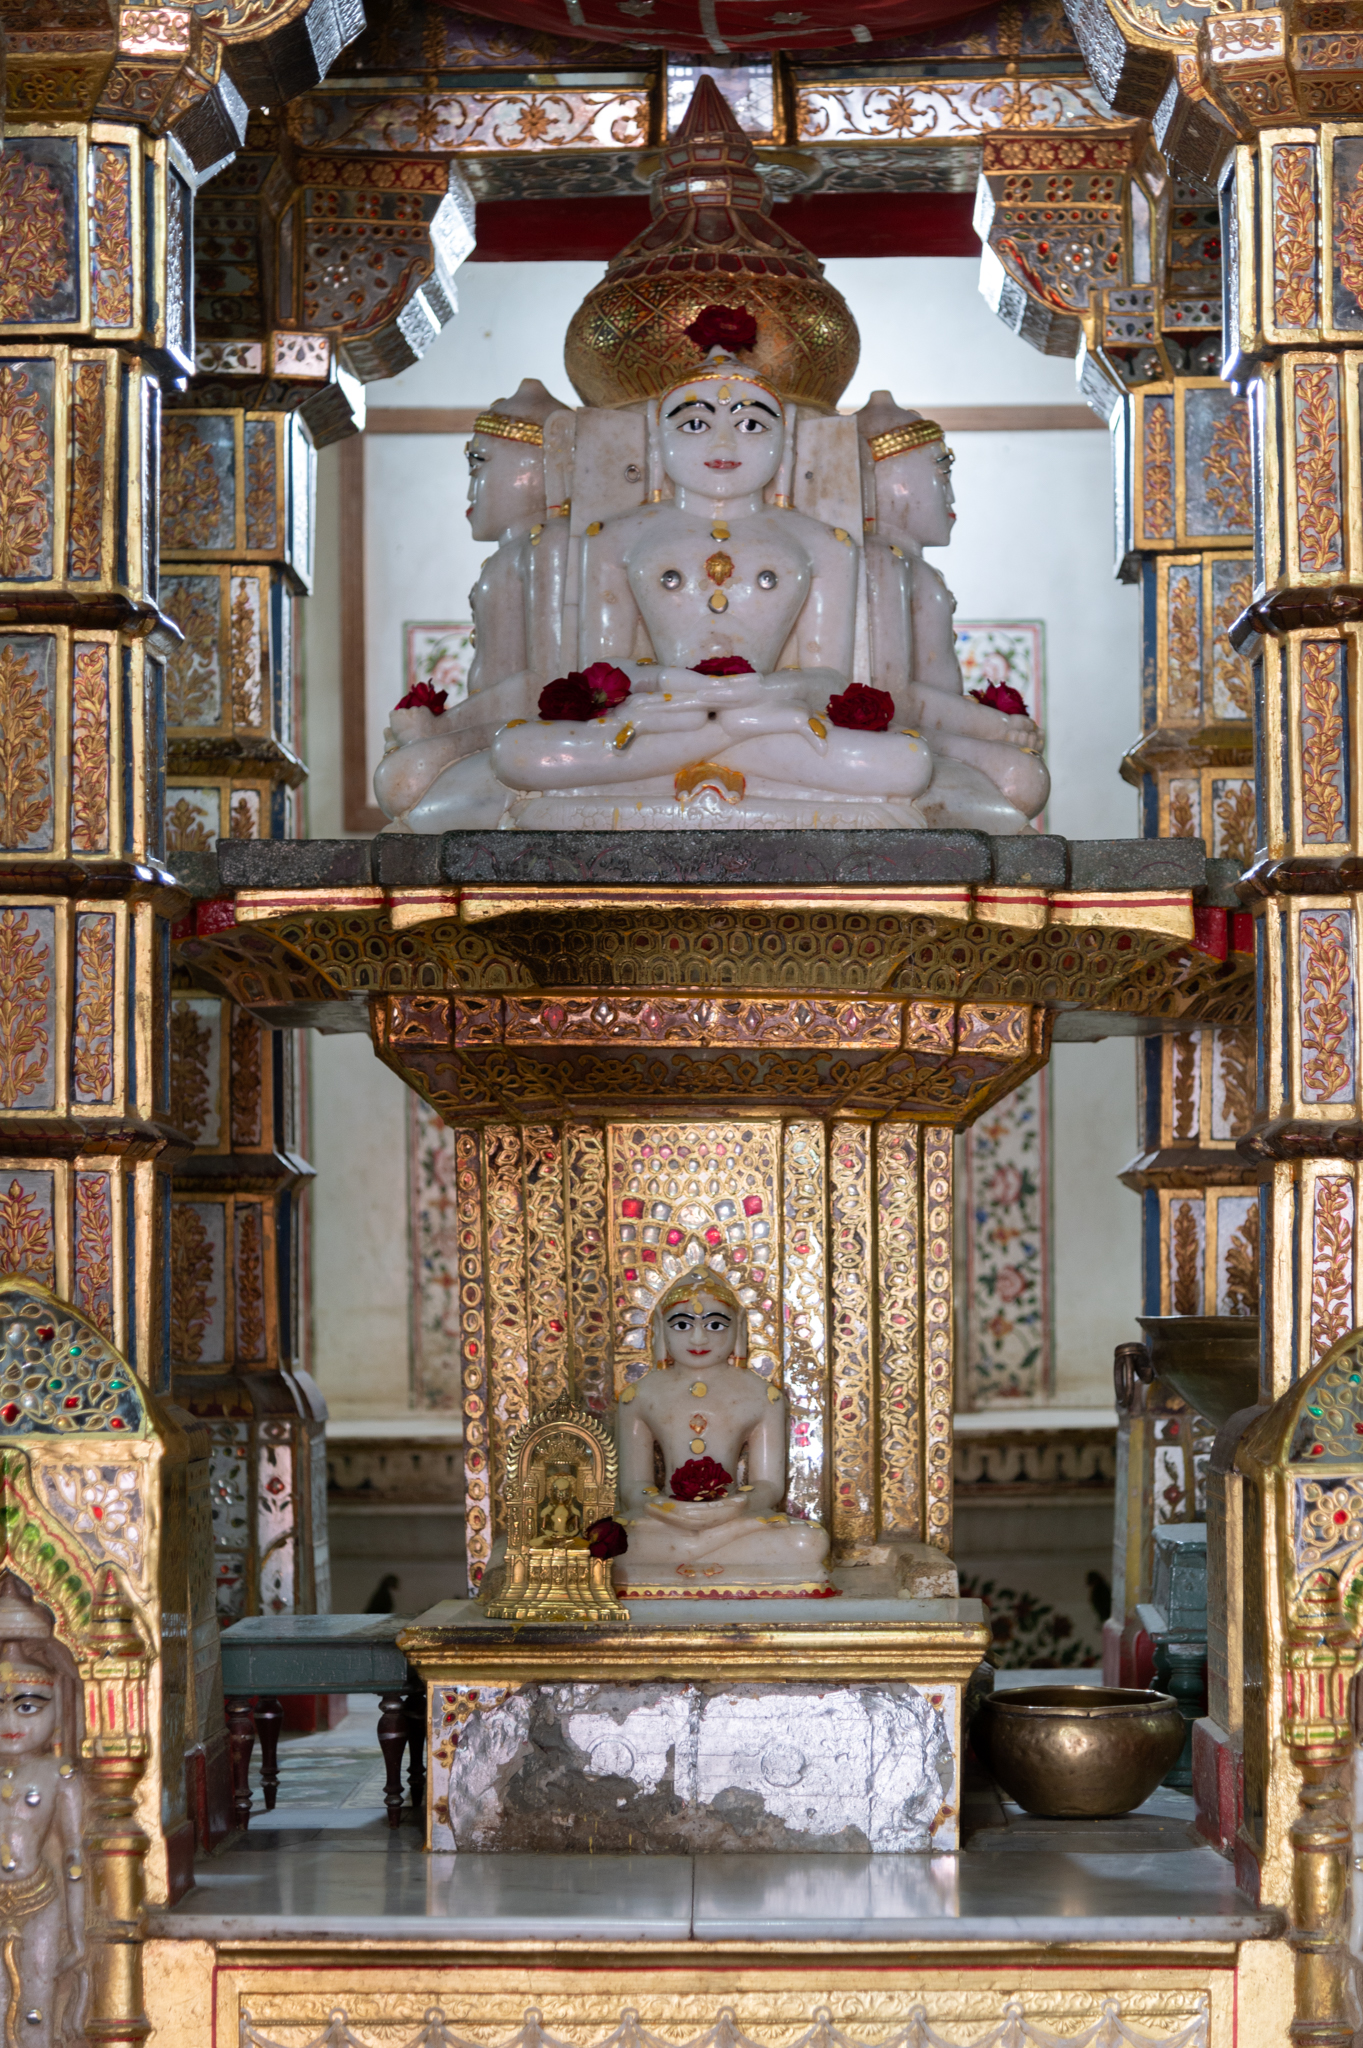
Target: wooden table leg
<point>416,1752</point>
<point>269,1718</point>
<point>392,1741</point>
<point>241,1740</point>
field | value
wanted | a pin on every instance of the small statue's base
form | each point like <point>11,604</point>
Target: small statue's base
<point>668,1589</point>
<point>798,1726</point>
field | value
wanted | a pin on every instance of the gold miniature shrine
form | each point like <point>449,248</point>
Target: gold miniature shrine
<point>560,1480</point>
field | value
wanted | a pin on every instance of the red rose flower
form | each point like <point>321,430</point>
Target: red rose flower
<point>724,665</point>
<point>723,327</point>
<point>609,686</point>
<point>584,693</point>
<point>1002,697</point>
<point>606,1538</point>
<point>701,1479</point>
<point>566,697</point>
<point>860,709</point>
<point>422,696</point>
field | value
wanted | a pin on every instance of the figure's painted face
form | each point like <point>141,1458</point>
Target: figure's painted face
<point>700,1333</point>
<point>722,439</point>
<point>28,1718</point>
<point>915,500</point>
<point>506,485</point>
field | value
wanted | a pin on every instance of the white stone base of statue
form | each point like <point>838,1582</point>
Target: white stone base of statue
<point>707,810</point>
<point>685,1767</point>
<point>960,797</point>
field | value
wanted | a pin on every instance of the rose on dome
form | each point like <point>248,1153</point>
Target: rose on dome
<point>606,1538</point>
<point>701,1479</point>
<point>723,327</point>
<point>421,697</point>
<point>584,693</point>
<point>1002,697</point>
<point>724,665</point>
<point>861,709</point>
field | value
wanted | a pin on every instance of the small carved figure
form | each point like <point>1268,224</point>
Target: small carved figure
<point>559,1523</point>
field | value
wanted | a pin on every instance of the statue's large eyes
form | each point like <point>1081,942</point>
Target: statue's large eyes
<point>695,425</point>
<point>716,1325</point>
<point>750,424</point>
<point>475,458</point>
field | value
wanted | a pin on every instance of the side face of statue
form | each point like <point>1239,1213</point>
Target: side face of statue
<point>703,1529</point>
<point>42,1902</point>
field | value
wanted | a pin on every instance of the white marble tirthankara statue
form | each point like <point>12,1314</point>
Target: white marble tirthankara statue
<point>988,772</point>
<point>517,606</point>
<point>703,1532</point>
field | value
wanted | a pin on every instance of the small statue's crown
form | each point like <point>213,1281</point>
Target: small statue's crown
<point>520,417</point>
<point>889,429</point>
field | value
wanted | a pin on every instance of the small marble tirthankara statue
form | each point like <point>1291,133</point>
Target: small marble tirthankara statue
<point>42,1904</point>
<point>988,773</point>
<point>517,606</point>
<point>702,1532</point>
<point>715,578</point>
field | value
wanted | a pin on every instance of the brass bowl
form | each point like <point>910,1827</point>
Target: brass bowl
<point>1212,1362</point>
<point>1078,1752</point>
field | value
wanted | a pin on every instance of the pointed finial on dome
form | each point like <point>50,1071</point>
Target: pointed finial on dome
<point>708,114</point>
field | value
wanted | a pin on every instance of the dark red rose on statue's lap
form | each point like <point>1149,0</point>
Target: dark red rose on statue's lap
<point>723,665</point>
<point>606,1538</point>
<point>1002,697</point>
<point>859,709</point>
<point>701,1479</point>
<point>584,693</point>
<point>421,696</point>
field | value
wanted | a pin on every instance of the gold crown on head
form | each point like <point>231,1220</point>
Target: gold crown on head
<point>899,440</point>
<point>505,429</point>
<point>25,1674</point>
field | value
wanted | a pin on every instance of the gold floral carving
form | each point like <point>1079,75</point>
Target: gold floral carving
<point>25,469</point>
<point>1185,649</point>
<point>1349,238</point>
<point>545,1265</point>
<point>242,818</point>
<point>191,678</point>
<point>509,1363</point>
<point>804,1334</point>
<point>1158,471</point>
<point>1226,470</point>
<point>1235,822</point>
<point>1184,1054</point>
<point>473,1358</point>
<point>90,748</point>
<point>1232,672</point>
<point>1332,1258</point>
<point>1326,1007</point>
<point>261,511</point>
<point>1182,823</point>
<point>85,522</point>
<point>1322,741</point>
<point>1294,235</point>
<point>111,234</point>
<point>250,1289</point>
<point>26,1240</point>
<point>35,251</point>
<point>1237,1065</point>
<point>900,1329</point>
<point>92,1043</point>
<point>1187,1291</point>
<point>1319,531</point>
<point>191,1084</point>
<point>95,1250</point>
<point>244,658</point>
<point>1242,1268</point>
<point>192,1301</point>
<point>244,1056</point>
<point>852,1509</point>
<point>25,747</point>
<point>25,992</point>
<point>186,831</point>
<point>589,1304</point>
<point>938,1361</point>
<point>191,489</point>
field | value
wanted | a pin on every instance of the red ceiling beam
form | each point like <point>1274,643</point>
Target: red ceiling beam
<point>829,223</point>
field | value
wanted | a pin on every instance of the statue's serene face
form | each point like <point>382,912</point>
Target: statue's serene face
<point>722,439</point>
<point>914,496</point>
<point>28,1719</point>
<point>506,485</point>
<point>700,1333</point>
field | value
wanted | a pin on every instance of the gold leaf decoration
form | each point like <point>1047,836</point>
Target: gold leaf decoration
<point>245,657</point>
<point>25,990</point>
<point>1326,1006</point>
<point>92,1049</point>
<point>1231,669</point>
<point>1182,823</point>
<point>1235,820</point>
<point>1226,470</point>
<point>250,1284</point>
<point>186,831</point>
<point>1185,649</point>
<point>1322,741</point>
<point>25,746</point>
<point>191,672</point>
<point>90,749</point>
<point>1235,1053</point>
<point>191,1084</point>
<point>1187,1292</point>
<point>1184,1052</point>
<point>1242,1268</point>
<point>1318,514</point>
<point>192,1300</point>
<point>111,237</point>
<point>1294,236</point>
<point>191,489</point>
<point>25,470</point>
<point>1158,453</point>
<point>26,1241</point>
<point>1332,1246</point>
<point>85,523</point>
<point>35,252</point>
<point>245,1067</point>
<point>95,1250</point>
<point>1349,238</point>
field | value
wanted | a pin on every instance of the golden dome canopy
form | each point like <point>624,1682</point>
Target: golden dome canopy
<point>712,241</point>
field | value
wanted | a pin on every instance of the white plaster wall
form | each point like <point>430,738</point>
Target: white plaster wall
<point>1034,541</point>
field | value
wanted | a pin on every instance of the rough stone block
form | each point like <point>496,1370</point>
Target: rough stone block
<point>679,1767</point>
<point>717,860</point>
<point>294,863</point>
<point>1119,864</point>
